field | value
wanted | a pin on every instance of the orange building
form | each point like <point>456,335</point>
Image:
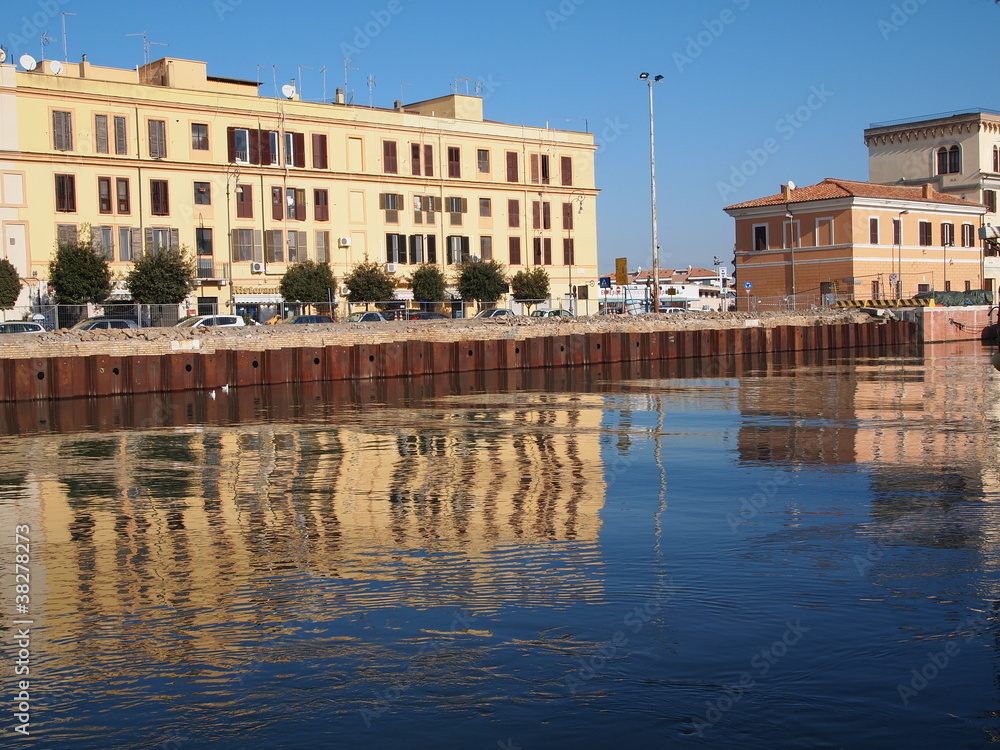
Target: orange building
<point>842,239</point>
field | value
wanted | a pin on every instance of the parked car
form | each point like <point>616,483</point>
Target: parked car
<point>367,317</point>
<point>21,326</point>
<point>217,321</point>
<point>496,312</point>
<point>104,323</point>
<point>551,314</point>
<point>424,315</point>
<point>306,319</point>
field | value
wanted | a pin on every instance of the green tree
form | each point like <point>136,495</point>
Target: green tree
<point>530,286</point>
<point>308,282</point>
<point>482,281</point>
<point>10,284</point>
<point>428,284</point>
<point>369,282</point>
<point>80,273</point>
<point>162,276</point>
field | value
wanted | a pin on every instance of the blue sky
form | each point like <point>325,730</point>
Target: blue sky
<point>811,76</point>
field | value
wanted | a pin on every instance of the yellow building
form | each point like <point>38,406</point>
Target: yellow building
<point>843,239</point>
<point>169,155</point>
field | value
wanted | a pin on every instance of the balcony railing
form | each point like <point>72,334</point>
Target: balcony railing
<point>209,269</point>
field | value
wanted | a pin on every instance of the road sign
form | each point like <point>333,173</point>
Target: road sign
<point>605,282</point>
<point>621,270</point>
<point>893,277</point>
<point>747,285</point>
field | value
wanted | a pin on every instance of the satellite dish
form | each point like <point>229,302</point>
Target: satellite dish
<point>28,62</point>
<point>288,91</point>
<point>56,67</point>
<point>3,55</point>
<point>791,185</point>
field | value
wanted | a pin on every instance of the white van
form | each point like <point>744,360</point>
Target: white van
<point>217,321</point>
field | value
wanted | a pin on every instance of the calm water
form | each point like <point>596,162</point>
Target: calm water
<point>716,554</point>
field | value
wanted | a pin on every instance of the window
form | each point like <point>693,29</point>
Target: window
<point>416,249</point>
<point>996,158</point>
<point>513,213</point>
<point>925,233</point>
<point>824,232</point>
<point>458,249</point>
<point>295,148</point>
<point>277,204</point>
<point>244,201</point>
<point>430,243</point>
<point>297,251</point>
<point>760,237</point>
<point>101,145</point>
<point>159,203</point>
<point>203,240</point>
<point>66,234</point>
<point>268,146</point>
<point>454,162</point>
<point>296,200</point>
<point>567,215</point>
<point>321,205</point>
<point>122,191</point>
<point>543,251</point>
<point>428,160</point>
<point>274,246</point>
<point>566,170</point>
<point>62,130</point>
<point>415,158</point>
<point>512,167</point>
<point>533,161</point>
<point>104,195</point>
<point>545,169</point>
<point>199,136</point>
<point>395,248</point>
<point>486,248</point>
<point>947,234</point>
<point>873,231</point>
<point>390,202</point>
<point>322,247</point>
<point>202,194</point>
<point>569,252</point>
<point>541,215</point>
<point>483,161</point>
<point>968,235</point>
<point>457,207</point>
<point>968,285</point>
<point>319,149</point>
<point>485,207</point>
<point>121,136</point>
<point>990,201</point>
<point>104,238</point>
<point>239,145</point>
<point>424,207</point>
<point>514,250</point>
<point>161,238</point>
<point>157,139</point>
<point>125,244</point>
<point>897,231</point>
<point>65,193</point>
<point>244,247</point>
<point>949,160</point>
<point>389,162</point>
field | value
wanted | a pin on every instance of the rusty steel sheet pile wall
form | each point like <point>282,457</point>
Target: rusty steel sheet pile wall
<point>65,377</point>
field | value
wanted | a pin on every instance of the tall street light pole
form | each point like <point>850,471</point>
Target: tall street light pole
<point>232,178</point>
<point>652,191</point>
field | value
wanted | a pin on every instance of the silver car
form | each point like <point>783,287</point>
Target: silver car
<point>21,326</point>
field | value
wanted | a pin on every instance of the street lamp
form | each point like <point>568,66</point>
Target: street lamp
<point>652,191</point>
<point>899,268</point>
<point>795,238</point>
<point>944,250</point>
<point>232,177</point>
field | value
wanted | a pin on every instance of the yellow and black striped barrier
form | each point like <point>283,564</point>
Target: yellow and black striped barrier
<point>847,303</point>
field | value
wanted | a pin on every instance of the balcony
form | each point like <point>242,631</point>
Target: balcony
<point>209,270</point>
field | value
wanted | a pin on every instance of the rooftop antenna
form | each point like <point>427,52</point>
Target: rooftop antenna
<point>299,79</point>
<point>401,84</point>
<point>259,68</point>
<point>274,76</point>
<point>322,72</point>
<point>44,41</point>
<point>145,45</point>
<point>347,67</point>
<point>371,91</point>
<point>65,53</point>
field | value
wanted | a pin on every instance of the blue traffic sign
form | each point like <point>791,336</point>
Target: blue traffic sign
<point>747,285</point>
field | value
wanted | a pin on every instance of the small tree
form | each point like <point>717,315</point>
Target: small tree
<point>369,282</point>
<point>10,284</point>
<point>162,276</point>
<point>530,286</point>
<point>482,281</point>
<point>80,273</point>
<point>308,282</point>
<point>428,284</point>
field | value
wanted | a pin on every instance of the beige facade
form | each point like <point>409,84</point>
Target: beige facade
<point>854,240</point>
<point>167,154</point>
<point>958,153</point>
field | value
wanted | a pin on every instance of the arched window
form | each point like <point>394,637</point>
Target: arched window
<point>996,158</point>
<point>949,160</point>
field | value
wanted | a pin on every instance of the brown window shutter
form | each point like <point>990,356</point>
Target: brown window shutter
<point>534,168</point>
<point>389,157</point>
<point>454,162</point>
<point>175,239</point>
<point>567,215</point>
<point>319,153</point>
<point>300,204</point>
<point>415,158</point>
<point>567,170</point>
<point>464,207</point>
<point>428,160</point>
<point>381,201</point>
<point>536,246</point>
<point>277,204</point>
<point>148,239</point>
<point>512,166</point>
<point>513,213</point>
<point>258,143</point>
<point>257,246</point>
<point>536,214</point>
<point>514,250</point>
<point>121,136</point>
<point>231,144</point>
<point>546,215</point>
<point>547,245</point>
<point>299,144</point>
<point>101,133</point>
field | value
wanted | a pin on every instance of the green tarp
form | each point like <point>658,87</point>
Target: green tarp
<point>958,299</point>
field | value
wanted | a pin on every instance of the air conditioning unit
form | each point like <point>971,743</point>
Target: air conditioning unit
<point>343,242</point>
<point>256,268</point>
<point>391,267</point>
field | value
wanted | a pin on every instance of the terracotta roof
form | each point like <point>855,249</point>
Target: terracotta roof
<point>833,188</point>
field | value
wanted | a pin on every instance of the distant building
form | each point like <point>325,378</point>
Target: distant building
<point>852,240</point>
<point>168,155</point>
<point>689,288</point>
